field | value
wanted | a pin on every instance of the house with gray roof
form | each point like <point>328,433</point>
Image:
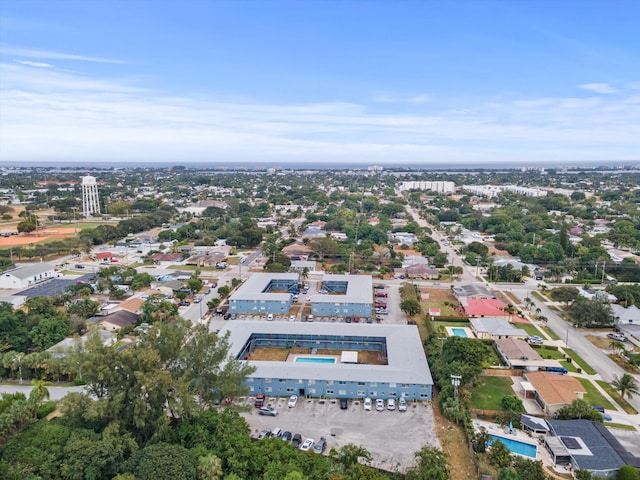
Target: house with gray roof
<point>404,371</point>
<point>495,328</point>
<point>472,290</point>
<point>587,445</point>
<point>27,275</point>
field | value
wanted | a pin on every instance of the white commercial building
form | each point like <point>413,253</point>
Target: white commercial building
<point>27,275</point>
<point>440,187</point>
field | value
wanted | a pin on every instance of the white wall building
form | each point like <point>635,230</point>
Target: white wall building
<point>440,187</point>
<point>27,275</point>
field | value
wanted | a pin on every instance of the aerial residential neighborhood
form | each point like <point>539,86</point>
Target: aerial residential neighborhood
<point>319,240</point>
<point>343,324</point>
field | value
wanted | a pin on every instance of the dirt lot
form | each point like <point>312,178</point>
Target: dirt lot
<point>391,437</point>
<point>41,235</point>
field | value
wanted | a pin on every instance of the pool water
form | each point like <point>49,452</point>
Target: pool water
<point>315,360</point>
<point>515,446</point>
<point>459,332</point>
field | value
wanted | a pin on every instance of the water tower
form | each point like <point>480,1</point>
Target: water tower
<point>90,199</point>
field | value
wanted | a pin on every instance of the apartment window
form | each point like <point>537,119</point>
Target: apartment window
<point>329,392</point>
<point>267,380</point>
<point>392,385</point>
<point>373,384</point>
<point>342,392</point>
<point>268,389</point>
<point>312,382</point>
<point>424,395</point>
<point>329,382</point>
<point>360,393</point>
<point>361,384</point>
<point>290,390</point>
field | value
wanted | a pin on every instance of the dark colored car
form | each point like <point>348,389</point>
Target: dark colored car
<point>227,316</point>
<point>296,440</point>
<point>347,320</point>
<point>344,403</point>
<point>378,287</point>
<point>320,446</point>
<point>286,436</point>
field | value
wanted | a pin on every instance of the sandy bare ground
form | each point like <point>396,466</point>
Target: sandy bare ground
<point>44,234</point>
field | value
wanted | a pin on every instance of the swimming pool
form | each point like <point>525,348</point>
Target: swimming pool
<point>314,360</point>
<point>459,332</point>
<point>515,446</point>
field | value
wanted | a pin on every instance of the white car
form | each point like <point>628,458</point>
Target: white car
<point>367,404</point>
<point>292,318</point>
<point>308,443</point>
<point>293,400</point>
<point>391,404</point>
<point>379,405</point>
<point>402,405</point>
<point>270,317</point>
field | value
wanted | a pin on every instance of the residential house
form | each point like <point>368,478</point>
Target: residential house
<point>552,391</point>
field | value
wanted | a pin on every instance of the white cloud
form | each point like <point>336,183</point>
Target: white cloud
<point>35,64</point>
<point>603,88</point>
<point>54,115</point>
<point>50,55</point>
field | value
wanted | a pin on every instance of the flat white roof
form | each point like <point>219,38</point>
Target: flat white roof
<point>253,288</point>
<point>359,290</point>
<point>406,360</point>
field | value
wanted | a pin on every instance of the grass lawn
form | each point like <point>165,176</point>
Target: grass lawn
<point>578,359</point>
<point>445,310</point>
<point>437,324</point>
<point>546,352</point>
<point>616,396</point>
<point>550,333</point>
<point>191,268</point>
<point>620,426</point>
<point>539,296</point>
<point>530,328</point>
<point>593,396</point>
<point>487,395</point>
<point>569,366</point>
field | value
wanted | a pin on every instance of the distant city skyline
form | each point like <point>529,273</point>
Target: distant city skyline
<point>353,82</point>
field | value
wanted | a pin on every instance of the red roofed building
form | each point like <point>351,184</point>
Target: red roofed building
<point>486,307</point>
<point>104,256</point>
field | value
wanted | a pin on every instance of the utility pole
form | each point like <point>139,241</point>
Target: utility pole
<point>477,266</point>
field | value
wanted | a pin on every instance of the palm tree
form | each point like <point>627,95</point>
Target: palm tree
<point>305,273</point>
<point>38,393</point>
<point>625,385</point>
<point>616,346</point>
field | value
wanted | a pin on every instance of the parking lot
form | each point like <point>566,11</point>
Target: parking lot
<point>392,437</point>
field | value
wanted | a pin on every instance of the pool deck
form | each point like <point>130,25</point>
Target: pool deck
<point>521,436</point>
<point>292,358</point>
<point>467,330</point>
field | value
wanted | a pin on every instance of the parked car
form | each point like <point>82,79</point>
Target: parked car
<point>378,287</point>
<point>296,440</point>
<point>286,436</point>
<point>183,303</point>
<point>402,405</point>
<point>292,318</point>
<point>620,337</point>
<point>307,445</point>
<point>207,291</point>
<point>344,403</point>
<point>268,411</point>
<point>270,317</point>
<point>79,265</point>
<point>381,305</point>
<point>320,446</point>
<point>264,434</point>
<point>234,316</point>
<point>198,299</point>
<point>535,339</point>
<point>293,400</point>
<point>310,318</point>
<point>260,399</point>
<point>227,316</point>
<point>347,320</point>
<point>379,405</point>
<point>356,319</point>
<point>391,404</point>
<point>369,320</point>
<point>276,432</point>
<point>381,294</point>
<point>367,404</point>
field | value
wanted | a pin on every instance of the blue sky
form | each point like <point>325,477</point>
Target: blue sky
<point>517,82</point>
